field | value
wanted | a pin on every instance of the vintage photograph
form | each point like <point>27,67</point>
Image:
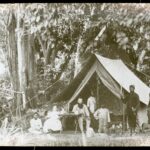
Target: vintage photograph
<point>74,74</point>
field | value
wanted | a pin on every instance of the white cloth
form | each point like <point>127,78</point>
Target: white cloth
<point>91,104</point>
<point>53,123</point>
<point>102,113</point>
<point>90,132</point>
<point>84,111</point>
<point>142,116</point>
<point>35,126</point>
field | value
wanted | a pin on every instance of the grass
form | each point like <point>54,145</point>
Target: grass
<point>11,138</point>
<point>71,139</point>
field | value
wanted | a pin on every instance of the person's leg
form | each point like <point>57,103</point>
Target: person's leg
<point>105,128</point>
<point>88,122</point>
<point>134,123</point>
<point>130,124</point>
<point>101,126</point>
<point>80,121</point>
<point>130,130</point>
<point>93,123</point>
<point>126,122</point>
<point>63,122</point>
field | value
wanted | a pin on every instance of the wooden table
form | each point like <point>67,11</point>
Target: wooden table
<point>69,115</point>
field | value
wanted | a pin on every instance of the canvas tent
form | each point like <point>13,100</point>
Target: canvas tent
<point>113,73</point>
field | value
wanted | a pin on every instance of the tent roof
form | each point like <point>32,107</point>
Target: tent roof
<point>114,75</point>
<point>125,77</point>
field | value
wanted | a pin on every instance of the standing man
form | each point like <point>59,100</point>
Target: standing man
<point>82,113</point>
<point>91,104</point>
<point>132,102</point>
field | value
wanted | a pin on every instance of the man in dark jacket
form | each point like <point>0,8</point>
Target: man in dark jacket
<point>132,102</point>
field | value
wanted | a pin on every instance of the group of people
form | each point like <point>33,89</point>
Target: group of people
<point>51,123</point>
<point>90,114</point>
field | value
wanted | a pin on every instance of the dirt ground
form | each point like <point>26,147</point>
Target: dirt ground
<point>71,139</point>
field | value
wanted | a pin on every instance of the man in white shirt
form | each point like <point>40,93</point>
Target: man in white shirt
<point>82,112</point>
<point>91,104</point>
<point>35,125</point>
<point>103,115</point>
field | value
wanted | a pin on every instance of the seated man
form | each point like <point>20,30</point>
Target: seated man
<point>82,112</point>
<point>53,123</point>
<point>103,115</point>
<point>35,124</point>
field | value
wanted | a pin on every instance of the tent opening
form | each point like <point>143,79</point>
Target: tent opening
<point>102,94</point>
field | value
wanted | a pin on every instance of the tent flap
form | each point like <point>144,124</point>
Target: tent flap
<point>84,82</point>
<point>108,81</point>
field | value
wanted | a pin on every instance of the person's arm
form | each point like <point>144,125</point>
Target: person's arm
<point>74,110</point>
<point>95,104</point>
<point>88,105</point>
<point>108,116</point>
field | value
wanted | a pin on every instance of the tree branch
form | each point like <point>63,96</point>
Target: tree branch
<point>42,45</point>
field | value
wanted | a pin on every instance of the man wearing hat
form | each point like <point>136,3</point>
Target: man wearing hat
<point>132,102</point>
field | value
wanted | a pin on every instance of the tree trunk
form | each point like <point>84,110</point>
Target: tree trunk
<point>53,55</point>
<point>21,59</point>
<point>47,60</point>
<point>41,44</point>
<point>30,71</point>
<point>12,58</point>
<point>77,56</point>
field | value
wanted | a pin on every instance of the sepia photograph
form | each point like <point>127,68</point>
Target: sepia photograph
<point>75,74</point>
